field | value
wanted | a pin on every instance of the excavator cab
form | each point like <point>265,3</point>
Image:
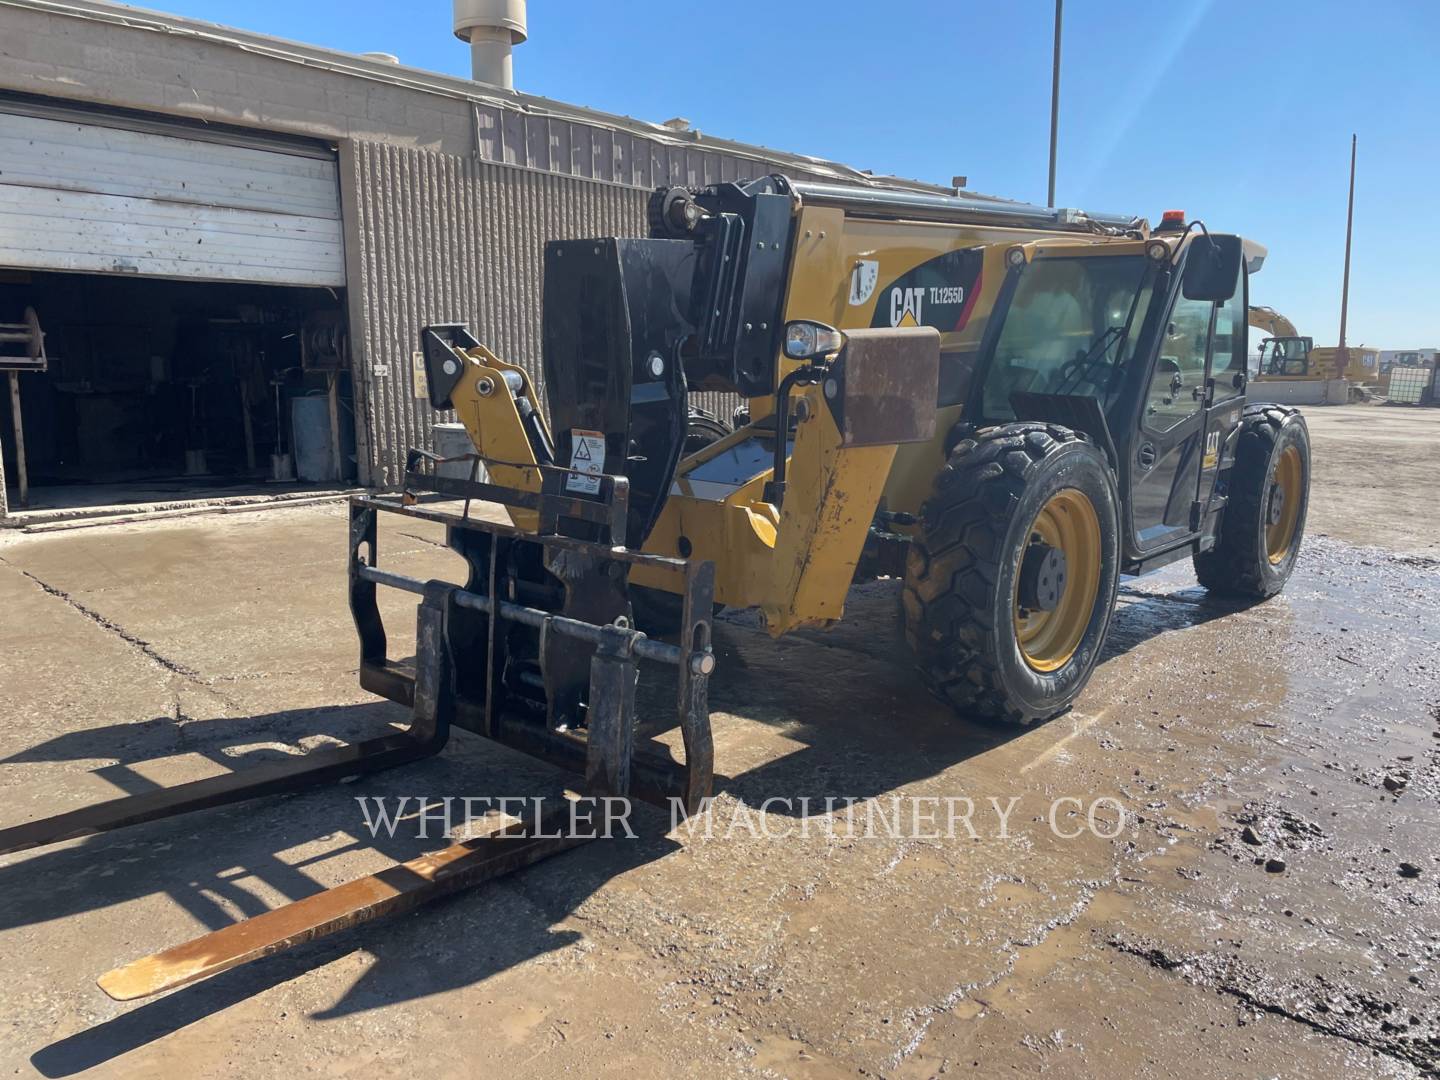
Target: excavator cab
<point>1288,355</point>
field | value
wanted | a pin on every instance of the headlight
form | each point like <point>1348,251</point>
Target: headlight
<point>806,340</point>
<point>1015,257</point>
<point>1157,250</point>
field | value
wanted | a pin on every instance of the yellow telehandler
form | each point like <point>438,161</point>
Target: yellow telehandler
<point>1004,406</point>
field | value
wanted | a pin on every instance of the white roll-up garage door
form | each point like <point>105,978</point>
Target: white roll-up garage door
<point>91,193</point>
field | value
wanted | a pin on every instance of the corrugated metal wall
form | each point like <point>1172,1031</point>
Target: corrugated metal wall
<point>439,238</point>
<point>550,143</point>
<point>84,193</point>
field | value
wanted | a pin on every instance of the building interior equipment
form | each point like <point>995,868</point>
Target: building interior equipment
<point>160,388</point>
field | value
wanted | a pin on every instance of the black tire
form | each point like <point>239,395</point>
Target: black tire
<point>961,571</point>
<point>1240,564</point>
<point>702,430</point>
<point>656,612</point>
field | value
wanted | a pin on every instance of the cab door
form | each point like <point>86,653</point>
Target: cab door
<point>1226,385</point>
<point>1167,451</point>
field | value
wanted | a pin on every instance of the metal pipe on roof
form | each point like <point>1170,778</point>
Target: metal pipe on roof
<point>492,28</point>
<point>965,209</point>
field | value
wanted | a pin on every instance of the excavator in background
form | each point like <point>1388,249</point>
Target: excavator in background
<point>1287,357</point>
<point>1289,353</point>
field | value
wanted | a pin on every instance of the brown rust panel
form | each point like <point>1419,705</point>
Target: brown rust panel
<point>886,382</point>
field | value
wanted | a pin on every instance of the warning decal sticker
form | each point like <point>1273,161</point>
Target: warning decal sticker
<point>587,458</point>
<point>863,279</point>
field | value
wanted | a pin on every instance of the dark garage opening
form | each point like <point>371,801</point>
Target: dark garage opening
<point>161,390</point>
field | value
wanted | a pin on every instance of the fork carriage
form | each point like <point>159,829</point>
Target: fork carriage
<point>555,677</point>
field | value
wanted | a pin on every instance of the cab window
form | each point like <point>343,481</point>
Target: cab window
<point>1177,385</point>
<point>1064,328</point>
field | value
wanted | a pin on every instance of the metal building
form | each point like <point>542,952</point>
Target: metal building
<point>212,225</point>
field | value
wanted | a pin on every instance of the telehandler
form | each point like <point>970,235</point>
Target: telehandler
<point>1005,406</point>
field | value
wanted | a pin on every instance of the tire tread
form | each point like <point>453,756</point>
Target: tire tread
<point>954,563</point>
<point>1231,567</point>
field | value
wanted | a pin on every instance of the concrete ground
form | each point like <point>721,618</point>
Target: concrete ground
<point>1303,733</point>
<point>1377,467</point>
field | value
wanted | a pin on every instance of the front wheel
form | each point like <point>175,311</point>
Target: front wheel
<point>1269,496</point>
<point>1010,582</point>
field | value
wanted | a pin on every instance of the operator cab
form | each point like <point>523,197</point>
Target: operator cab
<point>1140,344</point>
<point>1288,355</point>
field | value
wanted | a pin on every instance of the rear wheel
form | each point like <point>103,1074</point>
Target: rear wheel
<point>1011,579</point>
<point>1269,495</point>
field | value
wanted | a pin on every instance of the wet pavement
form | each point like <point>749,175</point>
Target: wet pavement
<point>1240,878</point>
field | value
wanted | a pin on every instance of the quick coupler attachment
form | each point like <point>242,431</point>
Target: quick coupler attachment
<point>486,660</point>
<point>535,651</point>
<point>542,654</point>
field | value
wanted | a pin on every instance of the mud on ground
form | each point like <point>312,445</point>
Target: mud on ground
<point>1269,907</point>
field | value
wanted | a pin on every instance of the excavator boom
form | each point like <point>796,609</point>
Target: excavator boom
<point>1272,322</point>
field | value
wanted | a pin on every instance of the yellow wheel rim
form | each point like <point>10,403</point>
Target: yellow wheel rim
<point>1282,505</point>
<point>1068,522</point>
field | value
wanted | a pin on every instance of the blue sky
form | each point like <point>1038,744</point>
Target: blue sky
<point>1237,111</point>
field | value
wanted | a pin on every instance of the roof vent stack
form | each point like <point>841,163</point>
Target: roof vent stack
<point>492,28</point>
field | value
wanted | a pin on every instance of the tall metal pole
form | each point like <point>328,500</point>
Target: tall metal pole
<point>1055,101</point>
<point>1343,353</point>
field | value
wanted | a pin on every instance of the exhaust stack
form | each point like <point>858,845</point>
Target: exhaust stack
<point>492,28</point>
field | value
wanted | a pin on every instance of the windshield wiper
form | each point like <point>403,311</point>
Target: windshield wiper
<point>1092,356</point>
<point>1112,335</point>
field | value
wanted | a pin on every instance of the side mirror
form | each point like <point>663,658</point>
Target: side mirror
<point>811,341</point>
<point>1212,267</point>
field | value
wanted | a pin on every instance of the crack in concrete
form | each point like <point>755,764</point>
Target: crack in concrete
<point>1013,946</point>
<point>115,628</point>
<point>1229,976</point>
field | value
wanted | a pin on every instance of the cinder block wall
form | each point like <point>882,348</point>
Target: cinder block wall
<point>449,190</point>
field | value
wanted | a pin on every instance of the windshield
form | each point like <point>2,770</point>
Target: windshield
<point>1068,330</point>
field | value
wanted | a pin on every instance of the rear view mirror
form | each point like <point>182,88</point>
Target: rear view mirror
<point>1212,267</point>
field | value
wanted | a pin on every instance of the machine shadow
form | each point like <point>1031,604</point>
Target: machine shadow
<point>520,925</point>
<point>131,743</point>
<point>876,730</point>
<point>229,858</point>
<point>234,862</point>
